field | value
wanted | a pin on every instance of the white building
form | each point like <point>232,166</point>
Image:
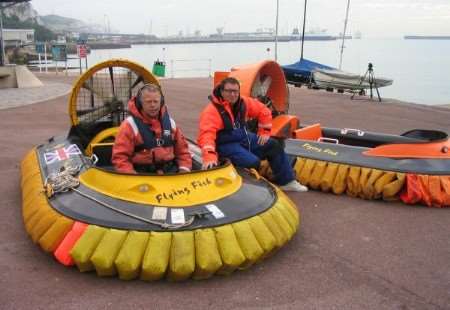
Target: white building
<point>14,37</point>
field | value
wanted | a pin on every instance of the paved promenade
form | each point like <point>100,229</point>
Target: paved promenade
<point>348,253</point>
<point>54,86</point>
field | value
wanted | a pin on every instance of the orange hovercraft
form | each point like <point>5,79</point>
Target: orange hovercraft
<point>413,167</point>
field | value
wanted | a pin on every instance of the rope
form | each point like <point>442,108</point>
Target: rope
<point>62,181</point>
<point>161,224</point>
<point>66,180</point>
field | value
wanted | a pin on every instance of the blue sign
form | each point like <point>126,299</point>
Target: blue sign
<point>59,52</point>
<point>40,47</point>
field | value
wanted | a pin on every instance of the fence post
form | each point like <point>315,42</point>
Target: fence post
<point>210,60</point>
<point>40,66</point>
<point>45,57</point>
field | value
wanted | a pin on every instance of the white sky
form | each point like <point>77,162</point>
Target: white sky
<point>374,18</point>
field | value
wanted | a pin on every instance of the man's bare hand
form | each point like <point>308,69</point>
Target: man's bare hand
<point>208,165</point>
<point>263,139</point>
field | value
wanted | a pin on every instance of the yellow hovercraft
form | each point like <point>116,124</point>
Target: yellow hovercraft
<point>175,226</point>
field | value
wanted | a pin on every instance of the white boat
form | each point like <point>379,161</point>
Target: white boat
<point>318,75</point>
<point>338,79</point>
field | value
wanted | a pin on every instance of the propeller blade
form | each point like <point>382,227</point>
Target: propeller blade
<point>94,114</point>
<point>84,112</point>
<point>107,108</point>
<point>261,86</point>
<point>90,88</point>
<point>111,75</point>
<point>265,84</point>
<point>92,94</point>
<point>136,82</point>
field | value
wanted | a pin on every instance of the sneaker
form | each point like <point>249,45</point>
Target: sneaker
<point>294,186</point>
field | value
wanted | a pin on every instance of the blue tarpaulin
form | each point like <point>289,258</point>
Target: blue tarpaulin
<point>300,72</point>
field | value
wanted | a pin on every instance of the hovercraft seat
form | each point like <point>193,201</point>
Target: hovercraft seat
<point>357,137</point>
<point>103,151</point>
<point>311,132</point>
<point>426,135</point>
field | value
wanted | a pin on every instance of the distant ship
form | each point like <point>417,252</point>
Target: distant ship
<point>347,36</point>
<point>312,35</point>
<point>414,37</point>
<point>269,35</point>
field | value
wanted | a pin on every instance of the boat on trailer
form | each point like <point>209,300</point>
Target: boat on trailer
<point>346,81</point>
<point>317,75</point>
<point>301,72</point>
<point>320,76</point>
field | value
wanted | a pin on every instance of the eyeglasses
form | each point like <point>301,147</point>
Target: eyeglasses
<point>231,91</point>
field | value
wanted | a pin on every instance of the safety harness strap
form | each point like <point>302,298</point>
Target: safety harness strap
<point>149,137</point>
<point>239,120</point>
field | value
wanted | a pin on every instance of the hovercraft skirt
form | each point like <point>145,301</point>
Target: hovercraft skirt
<point>151,255</point>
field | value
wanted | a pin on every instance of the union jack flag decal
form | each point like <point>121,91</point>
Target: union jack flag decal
<point>61,153</point>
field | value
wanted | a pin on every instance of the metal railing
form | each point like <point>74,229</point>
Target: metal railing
<point>201,62</point>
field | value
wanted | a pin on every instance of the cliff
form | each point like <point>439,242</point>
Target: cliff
<point>62,24</point>
<point>23,11</point>
<point>24,15</point>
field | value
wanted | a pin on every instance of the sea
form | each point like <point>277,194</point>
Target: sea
<point>420,68</point>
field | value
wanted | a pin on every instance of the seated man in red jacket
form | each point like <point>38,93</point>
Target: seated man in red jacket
<point>148,140</point>
<point>223,132</point>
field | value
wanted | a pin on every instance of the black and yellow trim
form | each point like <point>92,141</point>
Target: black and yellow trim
<point>151,255</point>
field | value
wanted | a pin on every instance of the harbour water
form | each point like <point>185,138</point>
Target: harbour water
<point>420,68</point>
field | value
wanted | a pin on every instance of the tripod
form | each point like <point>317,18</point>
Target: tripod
<point>372,82</point>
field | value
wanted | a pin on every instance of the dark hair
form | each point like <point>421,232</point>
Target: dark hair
<point>229,80</point>
<point>149,87</point>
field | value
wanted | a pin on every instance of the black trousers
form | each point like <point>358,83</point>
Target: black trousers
<point>168,167</point>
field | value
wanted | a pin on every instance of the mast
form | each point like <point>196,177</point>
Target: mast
<point>2,41</point>
<point>303,31</point>
<point>343,34</point>
<point>276,31</point>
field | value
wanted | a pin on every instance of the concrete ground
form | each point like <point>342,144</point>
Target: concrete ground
<point>348,253</point>
<point>54,87</point>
